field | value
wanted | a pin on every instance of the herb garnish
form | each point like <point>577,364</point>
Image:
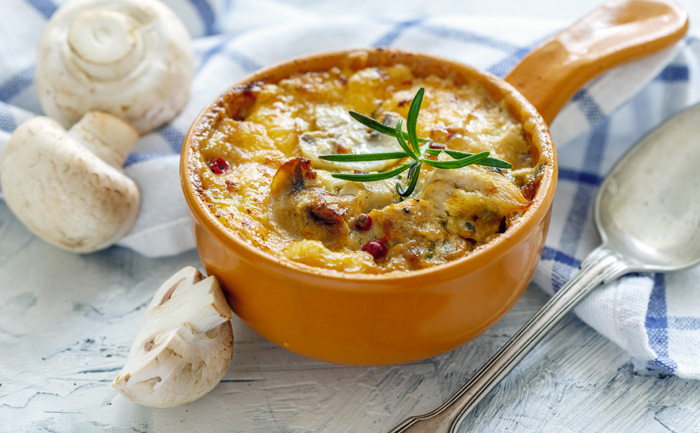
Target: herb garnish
<point>411,145</point>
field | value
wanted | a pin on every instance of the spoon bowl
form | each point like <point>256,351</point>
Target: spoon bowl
<point>647,209</point>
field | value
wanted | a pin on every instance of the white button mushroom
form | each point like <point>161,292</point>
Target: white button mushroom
<point>67,187</point>
<point>184,345</point>
<point>129,58</point>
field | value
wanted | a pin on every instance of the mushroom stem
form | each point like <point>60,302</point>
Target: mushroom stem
<point>106,136</point>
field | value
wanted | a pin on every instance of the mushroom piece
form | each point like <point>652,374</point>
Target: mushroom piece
<point>338,133</point>
<point>67,187</point>
<point>309,212</point>
<point>129,58</point>
<point>183,346</point>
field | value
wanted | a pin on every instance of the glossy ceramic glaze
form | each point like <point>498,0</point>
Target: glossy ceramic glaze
<point>616,32</point>
<point>389,318</point>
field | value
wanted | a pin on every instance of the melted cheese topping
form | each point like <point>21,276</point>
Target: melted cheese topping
<point>280,197</point>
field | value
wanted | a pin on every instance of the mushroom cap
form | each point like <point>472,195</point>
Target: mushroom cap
<point>184,344</point>
<point>63,192</point>
<point>129,58</point>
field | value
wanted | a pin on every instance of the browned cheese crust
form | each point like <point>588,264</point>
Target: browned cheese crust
<point>280,197</point>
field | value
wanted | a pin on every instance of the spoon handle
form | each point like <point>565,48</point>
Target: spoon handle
<point>601,265</point>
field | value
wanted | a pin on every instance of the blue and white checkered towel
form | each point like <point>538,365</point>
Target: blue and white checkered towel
<point>655,317</point>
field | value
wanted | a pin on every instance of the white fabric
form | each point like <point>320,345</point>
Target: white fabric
<point>656,318</point>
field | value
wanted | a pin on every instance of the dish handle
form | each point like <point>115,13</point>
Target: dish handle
<point>616,32</point>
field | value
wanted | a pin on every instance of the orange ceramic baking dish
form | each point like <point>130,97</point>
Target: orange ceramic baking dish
<point>403,317</point>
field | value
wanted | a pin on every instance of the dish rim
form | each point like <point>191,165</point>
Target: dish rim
<point>475,259</point>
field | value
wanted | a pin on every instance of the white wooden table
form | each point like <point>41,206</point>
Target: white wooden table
<point>67,321</point>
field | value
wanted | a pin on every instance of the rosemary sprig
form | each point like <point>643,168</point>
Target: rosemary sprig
<point>378,126</point>
<point>411,145</point>
<point>369,177</point>
<point>458,163</point>
<point>456,154</point>
<point>360,157</point>
<point>415,168</point>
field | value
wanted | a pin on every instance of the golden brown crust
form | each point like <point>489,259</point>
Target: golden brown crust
<point>257,128</point>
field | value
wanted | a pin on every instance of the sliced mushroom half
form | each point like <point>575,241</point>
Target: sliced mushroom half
<point>184,345</point>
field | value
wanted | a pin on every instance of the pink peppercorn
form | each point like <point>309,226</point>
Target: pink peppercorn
<point>363,222</point>
<point>377,248</point>
<point>219,166</point>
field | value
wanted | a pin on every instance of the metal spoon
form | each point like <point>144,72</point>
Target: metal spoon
<point>648,215</point>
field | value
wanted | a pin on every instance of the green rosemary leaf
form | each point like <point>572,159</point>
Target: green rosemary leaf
<point>413,174</point>
<point>488,162</point>
<point>373,124</point>
<point>357,157</point>
<point>371,176</point>
<point>378,126</point>
<point>495,162</point>
<point>458,163</point>
<point>412,120</point>
<point>405,146</point>
<point>435,152</point>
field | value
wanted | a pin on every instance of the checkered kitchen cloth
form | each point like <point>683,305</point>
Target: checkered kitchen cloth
<point>655,317</point>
